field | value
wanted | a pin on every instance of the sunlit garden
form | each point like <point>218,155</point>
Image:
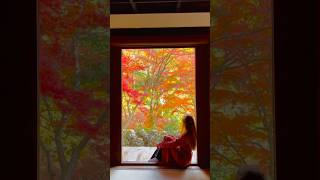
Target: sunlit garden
<point>158,89</point>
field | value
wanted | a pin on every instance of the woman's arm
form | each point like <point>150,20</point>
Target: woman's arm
<point>169,144</point>
<point>169,138</point>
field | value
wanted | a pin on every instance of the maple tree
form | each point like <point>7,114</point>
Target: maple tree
<point>241,96</point>
<point>72,88</point>
<point>158,87</point>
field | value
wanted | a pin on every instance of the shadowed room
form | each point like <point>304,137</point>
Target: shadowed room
<point>156,89</point>
<point>160,90</point>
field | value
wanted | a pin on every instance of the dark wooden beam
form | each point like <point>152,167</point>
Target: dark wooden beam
<point>160,37</point>
<point>134,7</point>
<point>178,5</point>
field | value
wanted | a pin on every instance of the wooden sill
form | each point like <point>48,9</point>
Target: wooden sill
<point>148,164</point>
<point>150,167</point>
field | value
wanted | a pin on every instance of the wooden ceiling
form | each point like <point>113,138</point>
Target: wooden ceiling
<point>158,6</point>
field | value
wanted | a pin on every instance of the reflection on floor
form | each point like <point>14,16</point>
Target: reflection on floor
<point>158,173</point>
<point>143,154</point>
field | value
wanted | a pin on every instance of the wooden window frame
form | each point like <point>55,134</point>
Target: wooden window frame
<point>198,38</point>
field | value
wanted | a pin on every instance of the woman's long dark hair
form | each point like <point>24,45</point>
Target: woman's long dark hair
<point>190,130</point>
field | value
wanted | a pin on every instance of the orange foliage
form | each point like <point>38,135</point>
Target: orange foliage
<point>158,82</point>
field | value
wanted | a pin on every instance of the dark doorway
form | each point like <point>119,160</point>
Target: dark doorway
<point>198,38</point>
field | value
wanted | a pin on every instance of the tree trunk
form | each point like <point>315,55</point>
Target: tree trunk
<point>66,173</point>
<point>49,161</point>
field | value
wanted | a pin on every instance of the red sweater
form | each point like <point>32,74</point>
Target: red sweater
<point>175,151</point>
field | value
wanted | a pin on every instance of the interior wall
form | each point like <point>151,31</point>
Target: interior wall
<point>241,88</point>
<point>73,104</point>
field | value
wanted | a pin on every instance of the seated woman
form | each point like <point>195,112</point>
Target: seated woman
<point>177,152</point>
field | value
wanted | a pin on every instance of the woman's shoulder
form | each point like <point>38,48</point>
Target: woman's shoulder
<point>183,138</point>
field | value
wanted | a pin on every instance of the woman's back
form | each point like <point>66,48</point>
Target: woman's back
<point>183,152</point>
<point>178,151</point>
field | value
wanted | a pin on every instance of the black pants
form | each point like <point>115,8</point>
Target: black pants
<point>157,154</point>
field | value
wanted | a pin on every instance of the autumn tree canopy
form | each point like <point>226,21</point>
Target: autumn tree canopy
<point>158,87</point>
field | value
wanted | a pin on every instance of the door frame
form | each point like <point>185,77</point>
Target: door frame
<point>199,38</point>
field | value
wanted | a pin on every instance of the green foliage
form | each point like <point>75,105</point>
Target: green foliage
<point>173,127</point>
<point>142,137</point>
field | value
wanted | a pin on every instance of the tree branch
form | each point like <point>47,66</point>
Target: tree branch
<point>84,141</point>
<point>236,150</point>
<point>57,139</point>
<point>225,158</point>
